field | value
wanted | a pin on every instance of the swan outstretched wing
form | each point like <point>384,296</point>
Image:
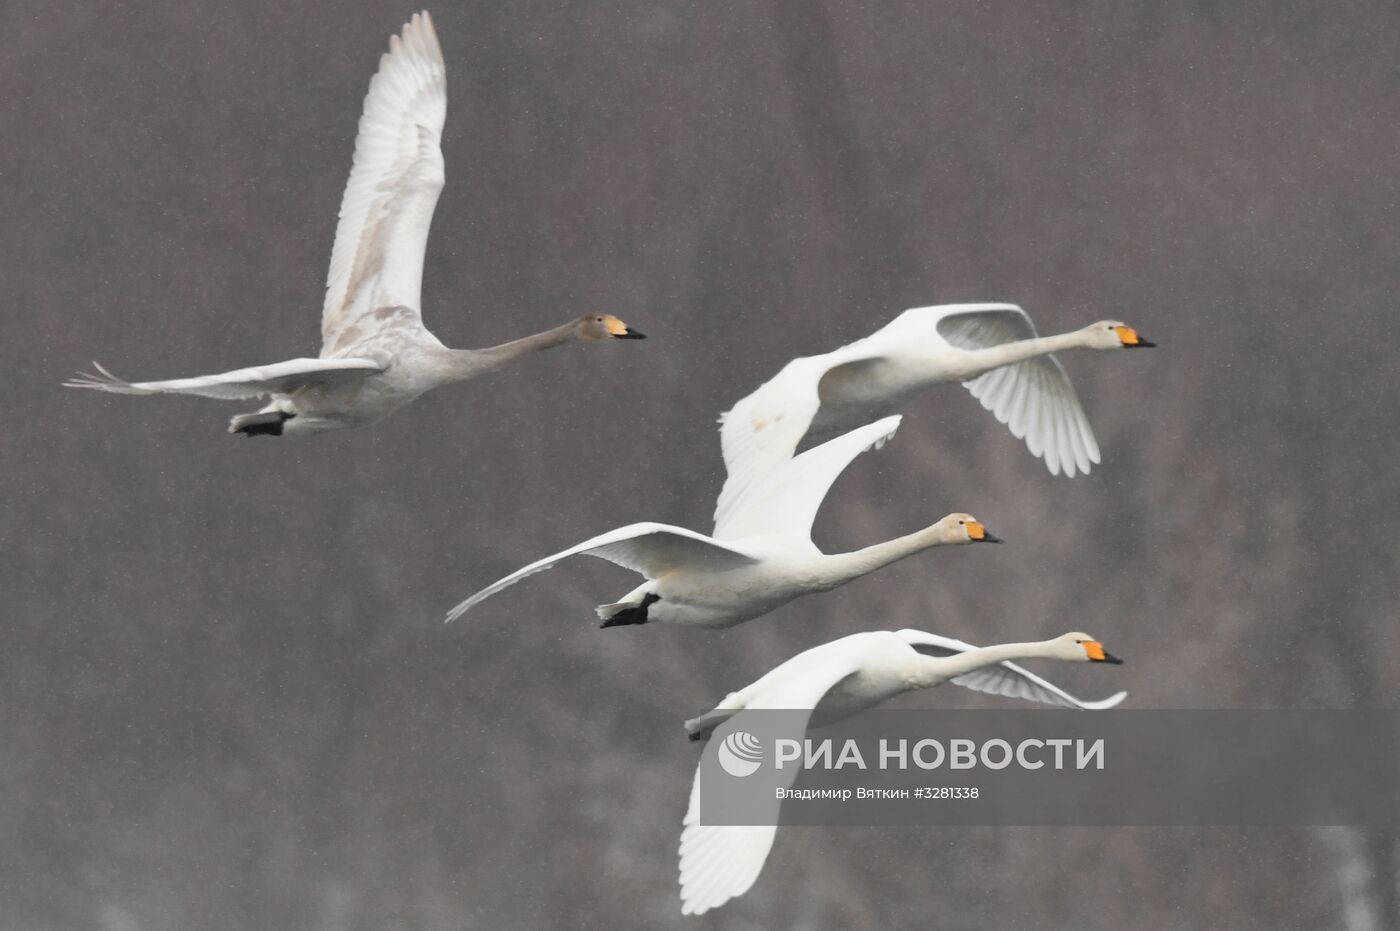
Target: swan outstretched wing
<point>720,861</point>
<point>257,381</point>
<point>787,501</point>
<point>1006,678</point>
<point>377,260</point>
<point>648,548</point>
<point>1034,398</point>
<point>762,431</point>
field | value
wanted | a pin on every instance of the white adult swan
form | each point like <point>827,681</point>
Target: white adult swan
<point>761,557</point>
<point>836,680</point>
<point>376,355</point>
<point>992,349</point>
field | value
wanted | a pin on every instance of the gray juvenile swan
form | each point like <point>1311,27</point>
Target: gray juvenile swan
<point>376,355</point>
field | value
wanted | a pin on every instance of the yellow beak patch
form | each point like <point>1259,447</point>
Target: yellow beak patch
<point>1128,335</point>
<point>617,328</point>
<point>1094,649</point>
<point>975,531</point>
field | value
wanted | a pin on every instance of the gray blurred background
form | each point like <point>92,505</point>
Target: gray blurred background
<point>226,697</point>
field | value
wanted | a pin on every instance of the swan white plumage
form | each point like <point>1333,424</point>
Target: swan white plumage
<point>758,559</point>
<point>376,354</point>
<point>992,349</point>
<point>836,680</point>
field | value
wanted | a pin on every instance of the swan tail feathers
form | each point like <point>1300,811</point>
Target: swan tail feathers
<point>702,727</point>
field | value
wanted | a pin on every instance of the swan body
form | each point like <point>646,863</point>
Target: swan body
<point>834,681</point>
<point>376,354</point>
<point>758,559</point>
<point>993,349</point>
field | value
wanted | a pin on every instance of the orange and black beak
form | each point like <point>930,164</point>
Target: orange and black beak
<point>1131,340</point>
<point>980,534</point>
<point>619,330</point>
<point>1098,654</point>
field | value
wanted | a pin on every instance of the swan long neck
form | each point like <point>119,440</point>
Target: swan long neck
<point>935,670</point>
<point>470,363</point>
<point>843,567</point>
<point>1023,349</point>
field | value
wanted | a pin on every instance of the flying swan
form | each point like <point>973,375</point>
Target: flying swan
<point>759,558</point>
<point>992,349</point>
<point>834,681</point>
<point>376,355</point>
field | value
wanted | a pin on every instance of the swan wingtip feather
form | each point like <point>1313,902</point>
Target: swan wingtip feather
<point>1111,701</point>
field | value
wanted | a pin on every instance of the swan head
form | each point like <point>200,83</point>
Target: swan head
<point>1082,648</point>
<point>964,528</point>
<point>594,327</point>
<point>1115,334</point>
